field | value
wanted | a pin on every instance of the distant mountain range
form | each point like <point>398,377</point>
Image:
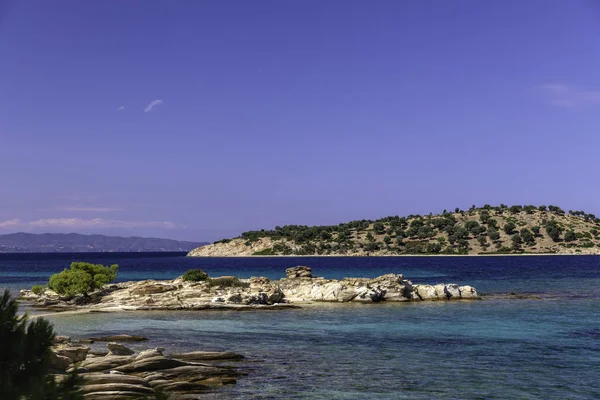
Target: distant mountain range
<point>74,242</point>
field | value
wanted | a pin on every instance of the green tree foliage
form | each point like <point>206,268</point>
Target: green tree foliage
<point>527,236</point>
<point>484,216</point>
<point>493,234</point>
<point>25,358</point>
<point>482,240</point>
<point>509,228</point>
<point>425,231</point>
<point>434,247</point>
<point>516,241</point>
<point>515,209</point>
<point>372,246</point>
<point>378,228</point>
<point>554,230</point>
<point>542,208</point>
<point>492,223</point>
<point>570,236</point>
<point>469,225</point>
<point>536,230</point>
<point>82,278</point>
<point>195,275</point>
<point>38,289</point>
<point>399,241</point>
<point>529,209</point>
<point>556,210</point>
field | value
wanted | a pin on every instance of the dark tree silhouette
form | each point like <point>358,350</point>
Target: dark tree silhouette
<point>25,358</point>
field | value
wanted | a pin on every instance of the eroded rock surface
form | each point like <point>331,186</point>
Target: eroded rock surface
<point>297,287</point>
<point>146,373</point>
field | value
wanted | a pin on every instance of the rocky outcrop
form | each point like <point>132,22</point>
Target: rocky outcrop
<point>116,349</point>
<point>298,287</point>
<point>298,272</point>
<point>145,374</point>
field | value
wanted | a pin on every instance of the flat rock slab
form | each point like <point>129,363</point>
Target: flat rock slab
<point>112,395</point>
<point>117,386</point>
<point>151,364</point>
<point>100,378</point>
<point>106,363</point>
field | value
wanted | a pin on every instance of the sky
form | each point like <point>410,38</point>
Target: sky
<point>198,120</point>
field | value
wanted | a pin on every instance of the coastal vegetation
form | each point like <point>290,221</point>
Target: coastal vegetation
<point>197,275</point>
<point>82,278</point>
<point>25,358</point>
<point>478,230</point>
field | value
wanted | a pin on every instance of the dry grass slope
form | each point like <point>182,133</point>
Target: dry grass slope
<point>486,230</point>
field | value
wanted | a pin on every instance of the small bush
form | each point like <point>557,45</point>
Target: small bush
<point>195,275</point>
<point>264,252</point>
<point>227,281</point>
<point>38,289</point>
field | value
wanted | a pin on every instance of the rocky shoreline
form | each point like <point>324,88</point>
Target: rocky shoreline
<point>120,373</point>
<point>299,287</point>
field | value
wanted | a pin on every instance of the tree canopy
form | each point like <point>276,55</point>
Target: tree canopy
<point>82,278</point>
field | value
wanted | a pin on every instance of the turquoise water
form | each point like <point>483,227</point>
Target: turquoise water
<point>547,347</point>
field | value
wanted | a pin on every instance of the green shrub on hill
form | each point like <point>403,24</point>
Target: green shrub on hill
<point>264,252</point>
<point>570,236</point>
<point>82,278</point>
<point>462,230</point>
<point>554,230</point>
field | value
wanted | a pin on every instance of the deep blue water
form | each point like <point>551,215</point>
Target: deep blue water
<point>547,347</point>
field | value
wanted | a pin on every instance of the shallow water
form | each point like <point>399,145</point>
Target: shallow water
<point>496,348</point>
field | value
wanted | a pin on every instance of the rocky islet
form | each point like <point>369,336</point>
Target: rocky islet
<point>298,288</point>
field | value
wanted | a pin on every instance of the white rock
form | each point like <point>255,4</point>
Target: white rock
<point>468,292</point>
<point>452,291</point>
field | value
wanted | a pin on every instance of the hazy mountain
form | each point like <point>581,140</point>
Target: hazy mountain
<point>74,242</point>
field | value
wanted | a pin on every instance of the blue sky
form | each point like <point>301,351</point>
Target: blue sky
<point>198,120</point>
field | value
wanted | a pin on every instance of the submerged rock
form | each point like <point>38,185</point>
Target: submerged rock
<point>118,338</point>
<point>207,355</point>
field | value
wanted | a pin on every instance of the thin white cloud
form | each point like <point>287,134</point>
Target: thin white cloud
<point>11,223</point>
<point>89,209</point>
<point>121,108</point>
<point>153,104</point>
<point>76,223</point>
<point>561,95</point>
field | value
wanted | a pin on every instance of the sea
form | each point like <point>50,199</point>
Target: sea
<point>534,335</point>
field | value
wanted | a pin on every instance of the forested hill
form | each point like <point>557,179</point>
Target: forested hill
<point>484,230</point>
<point>74,242</point>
